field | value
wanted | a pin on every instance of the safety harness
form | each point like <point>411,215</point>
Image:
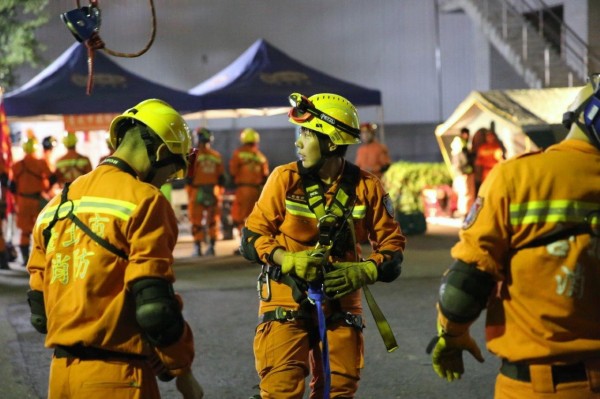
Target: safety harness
<point>70,213</point>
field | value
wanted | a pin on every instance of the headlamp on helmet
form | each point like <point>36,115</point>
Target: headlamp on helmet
<point>326,113</point>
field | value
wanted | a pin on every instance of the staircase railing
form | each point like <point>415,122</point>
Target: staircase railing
<point>562,46</point>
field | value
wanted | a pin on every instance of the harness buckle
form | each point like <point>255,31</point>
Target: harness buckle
<point>327,225</point>
<point>283,314</point>
<point>354,320</point>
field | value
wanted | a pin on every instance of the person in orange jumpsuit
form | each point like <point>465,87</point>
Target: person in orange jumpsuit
<point>73,164</point>
<point>372,155</point>
<point>205,192</point>
<point>282,233</point>
<point>31,179</point>
<point>249,169</point>
<point>101,271</point>
<point>529,252</point>
<point>488,154</point>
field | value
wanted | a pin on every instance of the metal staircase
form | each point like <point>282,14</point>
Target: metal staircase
<point>516,28</point>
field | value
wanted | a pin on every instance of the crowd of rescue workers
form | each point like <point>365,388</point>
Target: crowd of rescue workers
<point>98,245</point>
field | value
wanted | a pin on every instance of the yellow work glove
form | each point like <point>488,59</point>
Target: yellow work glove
<point>304,264</point>
<point>447,354</point>
<point>347,277</point>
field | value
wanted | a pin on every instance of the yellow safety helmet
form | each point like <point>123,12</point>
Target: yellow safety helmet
<point>163,120</point>
<point>70,140</point>
<point>30,146</point>
<point>249,136</point>
<point>326,113</point>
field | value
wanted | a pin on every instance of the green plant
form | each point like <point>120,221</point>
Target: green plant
<point>405,181</point>
<point>19,21</point>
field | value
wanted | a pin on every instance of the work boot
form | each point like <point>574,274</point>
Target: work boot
<point>197,249</point>
<point>210,251</point>
<point>3,260</point>
<point>24,253</point>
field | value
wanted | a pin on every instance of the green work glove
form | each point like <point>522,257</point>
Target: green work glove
<point>447,354</point>
<point>347,277</point>
<point>304,264</point>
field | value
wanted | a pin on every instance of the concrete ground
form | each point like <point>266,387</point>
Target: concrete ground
<point>221,306</point>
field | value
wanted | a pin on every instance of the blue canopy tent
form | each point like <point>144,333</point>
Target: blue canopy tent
<point>60,89</point>
<point>263,77</point>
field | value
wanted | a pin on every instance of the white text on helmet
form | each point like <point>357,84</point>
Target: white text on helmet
<point>327,119</point>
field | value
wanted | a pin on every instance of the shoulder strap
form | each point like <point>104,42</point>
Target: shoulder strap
<point>47,232</point>
<point>331,219</point>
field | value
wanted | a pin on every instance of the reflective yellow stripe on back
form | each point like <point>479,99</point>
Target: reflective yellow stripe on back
<point>96,205</point>
<point>550,211</point>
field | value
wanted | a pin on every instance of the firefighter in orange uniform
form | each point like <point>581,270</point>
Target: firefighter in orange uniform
<point>529,251</point>
<point>205,192</point>
<point>488,154</point>
<point>31,179</point>
<point>249,169</point>
<point>73,164</point>
<point>372,155</point>
<point>101,273</point>
<point>304,229</point>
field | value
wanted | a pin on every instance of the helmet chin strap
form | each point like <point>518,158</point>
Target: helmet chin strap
<point>154,165</point>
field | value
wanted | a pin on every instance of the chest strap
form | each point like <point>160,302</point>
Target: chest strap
<point>332,217</point>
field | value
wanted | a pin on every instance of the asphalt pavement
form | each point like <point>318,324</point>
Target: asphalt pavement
<point>219,294</point>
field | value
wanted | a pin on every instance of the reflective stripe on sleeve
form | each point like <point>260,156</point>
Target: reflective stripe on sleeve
<point>552,211</point>
<point>301,209</point>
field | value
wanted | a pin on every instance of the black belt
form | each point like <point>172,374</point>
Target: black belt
<point>91,353</point>
<point>281,314</point>
<point>560,373</point>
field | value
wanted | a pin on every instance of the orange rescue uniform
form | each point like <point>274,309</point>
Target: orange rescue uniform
<point>70,166</point>
<point>545,310</point>
<point>31,176</point>
<point>204,194</point>
<point>284,220</point>
<point>249,169</point>
<point>488,155</point>
<point>372,157</point>
<point>86,287</point>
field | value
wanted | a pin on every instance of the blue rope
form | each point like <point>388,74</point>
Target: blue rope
<point>317,296</point>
